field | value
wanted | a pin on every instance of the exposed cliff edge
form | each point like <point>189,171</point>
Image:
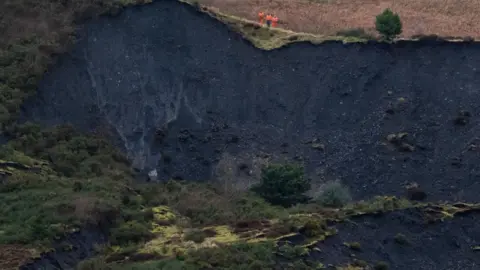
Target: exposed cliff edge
<point>181,90</point>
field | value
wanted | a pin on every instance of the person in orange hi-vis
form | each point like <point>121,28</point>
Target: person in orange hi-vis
<point>274,21</point>
<point>269,20</point>
<point>261,17</point>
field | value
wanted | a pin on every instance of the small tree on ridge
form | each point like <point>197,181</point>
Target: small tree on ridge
<point>388,24</point>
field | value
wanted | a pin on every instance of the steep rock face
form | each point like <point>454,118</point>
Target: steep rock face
<point>181,92</point>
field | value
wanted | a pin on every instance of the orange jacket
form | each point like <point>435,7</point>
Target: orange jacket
<point>269,17</point>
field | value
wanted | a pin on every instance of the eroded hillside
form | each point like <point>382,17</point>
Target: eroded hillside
<point>190,98</point>
<point>185,95</point>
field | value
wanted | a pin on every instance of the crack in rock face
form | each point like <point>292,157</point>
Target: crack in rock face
<point>180,92</point>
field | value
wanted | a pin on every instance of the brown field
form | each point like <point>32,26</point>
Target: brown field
<point>448,18</point>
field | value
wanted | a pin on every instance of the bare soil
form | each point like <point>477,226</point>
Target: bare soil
<point>449,18</point>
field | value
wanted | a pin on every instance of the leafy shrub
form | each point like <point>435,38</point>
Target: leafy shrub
<point>283,185</point>
<point>250,207</point>
<point>334,194</point>
<point>388,24</point>
<point>130,232</point>
<point>197,236</point>
<point>314,228</point>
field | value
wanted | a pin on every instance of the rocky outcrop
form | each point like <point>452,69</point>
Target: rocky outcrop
<point>180,90</point>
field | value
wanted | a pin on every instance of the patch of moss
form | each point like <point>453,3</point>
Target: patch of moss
<point>224,235</point>
<point>163,215</point>
<point>171,239</point>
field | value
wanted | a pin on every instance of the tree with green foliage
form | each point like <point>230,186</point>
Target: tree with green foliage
<point>388,24</point>
<point>283,185</point>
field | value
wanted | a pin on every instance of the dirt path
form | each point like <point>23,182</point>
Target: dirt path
<point>441,17</point>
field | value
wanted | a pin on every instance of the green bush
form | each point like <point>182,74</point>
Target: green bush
<point>197,236</point>
<point>334,194</point>
<point>388,24</point>
<point>283,185</point>
<point>251,207</point>
<point>314,228</point>
<point>130,232</point>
